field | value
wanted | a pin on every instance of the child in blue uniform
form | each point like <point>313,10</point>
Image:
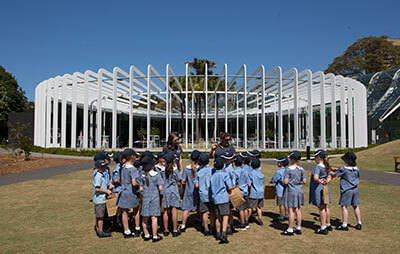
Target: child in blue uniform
<point>127,197</point>
<point>220,185</point>
<point>106,158</point>
<point>349,194</point>
<point>100,192</point>
<point>321,176</point>
<point>242,177</point>
<point>256,185</point>
<point>190,199</point>
<point>151,183</point>
<point>160,162</point>
<point>115,173</point>
<point>171,198</point>
<point>293,197</point>
<point>247,167</point>
<point>202,181</point>
<point>229,157</point>
<point>282,162</point>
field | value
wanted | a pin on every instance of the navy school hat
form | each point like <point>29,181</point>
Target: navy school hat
<point>170,157</point>
<point>146,160</point>
<point>283,159</point>
<point>147,154</point>
<point>255,163</point>
<point>195,155</point>
<point>147,165</point>
<point>136,163</point>
<point>159,156</point>
<point>219,163</point>
<point>204,159</point>
<point>244,155</point>
<point>101,156</point>
<point>238,159</point>
<point>254,153</point>
<point>99,163</point>
<point>128,152</point>
<point>349,157</point>
<point>116,157</point>
<point>295,155</point>
<point>321,153</point>
<point>227,155</point>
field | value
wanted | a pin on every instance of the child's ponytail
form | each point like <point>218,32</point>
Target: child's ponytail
<point>169,169</point>
<point>147,179</point>
<point>326,164</point>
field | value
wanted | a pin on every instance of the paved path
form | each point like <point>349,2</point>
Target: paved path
<point>388,178</point>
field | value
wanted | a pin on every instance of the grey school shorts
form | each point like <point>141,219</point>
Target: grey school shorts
<point>279,201</point>
<point>205,207</point>
<point>254,203</point>
<point>223,209</point>
<point>350,198</point>
<point>100,210</point>
<point>245,205</point>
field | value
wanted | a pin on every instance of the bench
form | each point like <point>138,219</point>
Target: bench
<point>396,163</point>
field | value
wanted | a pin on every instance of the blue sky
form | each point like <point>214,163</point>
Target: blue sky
<point>43,39</point>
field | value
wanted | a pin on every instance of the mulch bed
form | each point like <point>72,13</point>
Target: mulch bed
<point>9,166</point>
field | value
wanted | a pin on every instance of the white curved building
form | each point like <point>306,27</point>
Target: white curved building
<point>265,110</point>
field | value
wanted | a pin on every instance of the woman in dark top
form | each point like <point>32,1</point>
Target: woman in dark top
<point>174,147</point>
<point>224,145</point>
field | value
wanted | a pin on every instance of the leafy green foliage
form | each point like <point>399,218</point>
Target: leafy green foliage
<point>18,140</point>
<point>366,55</point>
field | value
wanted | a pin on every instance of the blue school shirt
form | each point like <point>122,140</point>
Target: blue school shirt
<point>106,173</point>
<point>242,178</point>
<point>220,182</point>
<point>257,181</point>
<point>295,176</point>
<point>349,178</point>
<point>100,181</point>
<point>278,180</point>
<point>115,176</point>
<point>203,179</point>
<point>248,168</point>
<point>231,173</point>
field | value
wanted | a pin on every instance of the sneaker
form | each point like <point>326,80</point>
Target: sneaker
<point>247,224</point>
<point>241,227</point>
<point>358,226</point>
<point>297,231</point>
<point>207,232</point>
<point>165,233</point>
<point>342,228</point>
<point>329,228</point>
<point>321,231</point>
<point>127,235</point>
<point>157,239</point>
<point>103,234</point>
<point>259,222</point>
<point>287,233</point>
<point>176,234</point>
<point>223,240</point>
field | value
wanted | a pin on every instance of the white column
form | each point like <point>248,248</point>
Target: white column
<point>296,109</point>
<point>310,131</point>
<point>245,107</point>
<point>257,123</point>
<point>215,116</point>
<point>114,111</point>
<point>63,112</point>
<point>360,115</point>
<point>206,106</point>
<point>49,93</point>
<point>288,109</point>
<point>193,118</point>
<point>275,109</point>
<point>73,110</point>
<point>86,111</point>
<point>350,113</point>
<point>186,104</point>
<point>342,115</point>
<point>237,119</point>
<point>55,112</point>
<point>226,97</point>
<point>333,111</point>
<point>149,105</point>
<point>280,120</point>
<point>166,102</point>
<point>99,114</point>
<point>322,111</point>
<point>130,142</point>
<point>263,108</point>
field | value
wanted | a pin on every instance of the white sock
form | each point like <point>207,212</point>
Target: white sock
<point>127,232</point>
<point>290,230</point>
<point>323,227</point>
<point>137,228</point>
<point>298,228</point>
<point>344,224</point>
<point>147,236</point>
<point>183,226</point>
<point>328,225</point>
<point>155,237</point>
<point>359,222</point>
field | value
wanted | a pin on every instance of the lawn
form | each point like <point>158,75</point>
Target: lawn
<point>54,215</point>
<point>379,158</point>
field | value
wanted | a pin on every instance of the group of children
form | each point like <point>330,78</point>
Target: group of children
<point>152,187</point>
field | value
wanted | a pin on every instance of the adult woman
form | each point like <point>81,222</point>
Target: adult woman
<point>173,146</point>
<point>224,145</point>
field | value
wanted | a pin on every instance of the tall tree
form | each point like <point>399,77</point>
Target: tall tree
<point>12,99</point>
<point>366,55</point>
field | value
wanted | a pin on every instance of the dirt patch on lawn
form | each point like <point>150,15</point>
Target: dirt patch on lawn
<point>9,166</point>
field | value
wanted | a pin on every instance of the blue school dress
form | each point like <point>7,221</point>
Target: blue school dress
<point>203,179</point>
<point>277,178</point>
<point>231,173</point>
<point>127,197</point>
<point>115,176</point>
<point>349,180</point>
<point>315,195</point>
<point>242,178</point>
<point>171,196</point>
<point>150,193</point>
<point>190,199</point>
<point>257,181</point>
<point>220,182</point>
<point>293,195</point>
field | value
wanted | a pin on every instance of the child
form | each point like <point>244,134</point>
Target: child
<point>203,184</point>
<point>256,185</point>
<point>320,176</point>
<point>220,185</point>
<point>160,163</point>
<point>100,191</point>
<point>171,198</point>
<point>254,154</point>
<point>282,163</point>
<point>115,173</point>
<point>242,177</point>
<point>151,183</point>
<point>106,158</point>
<point>229,157</point>
<point>127,197</point>
<point>293,197</point>
<point>349,194</point>
<point>191,196</point>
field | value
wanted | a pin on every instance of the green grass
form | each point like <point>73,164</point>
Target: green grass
<point>379,158</point>
<point>54,215</point>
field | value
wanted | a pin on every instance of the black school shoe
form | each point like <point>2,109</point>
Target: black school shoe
<point>207,232</point>
<point>321,231</point>
<point>147,238</point>
<point>159,238</point>
<point>329,228</point>
<point>342,228</point>
<point>103,234</point>
<point>223,240</point>
<point>218,236</point>
<point>166,234</point>
<point>182,229</point>
<point>287,233</point>
<point>128,236</point>
<point>176,234</point>
<point>358,226</point>
<point>259,222</point>
<point>297,231</point>
<point>136,234</point>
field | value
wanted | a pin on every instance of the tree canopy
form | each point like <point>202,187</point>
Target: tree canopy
<point>12,99</point>
<point>366,55</point>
